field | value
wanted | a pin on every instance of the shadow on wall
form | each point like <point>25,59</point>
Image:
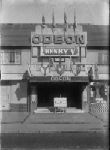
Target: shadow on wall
<point>26,75</point>
<point>21,91</point>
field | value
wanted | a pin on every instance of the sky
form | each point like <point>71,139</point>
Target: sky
<point>30,11</point>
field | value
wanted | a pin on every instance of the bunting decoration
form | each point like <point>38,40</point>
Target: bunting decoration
<point>78,69</point>
<point>71,70</point>
<point>50,63</point>
<point>44,69</point>
<point>90,74</point>
<point>29,70</point>
<point>60,68</point>
<point>96,71</point>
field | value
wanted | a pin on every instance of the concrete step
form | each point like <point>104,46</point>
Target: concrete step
<point>42,110</point>
<point>72,110</point>
<point>58,110</point>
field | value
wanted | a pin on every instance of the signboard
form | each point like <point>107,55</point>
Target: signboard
<point>68,39</point>
<point>60,78</point>
<point>56,51</point>
<point>60,102</point>
<point>103,76</point>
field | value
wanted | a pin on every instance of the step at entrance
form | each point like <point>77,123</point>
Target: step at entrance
<point>42,110</point>
<point>74,110</point>
<point>58,110</point>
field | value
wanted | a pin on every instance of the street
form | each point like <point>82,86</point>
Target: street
<point>21,131</point>
<point>84,140</point>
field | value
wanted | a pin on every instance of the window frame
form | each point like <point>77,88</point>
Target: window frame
<point>15,62</point>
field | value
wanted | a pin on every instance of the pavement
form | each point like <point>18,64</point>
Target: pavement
<point>23,122</point>
<point>55,149</point>
<point>62,141</point>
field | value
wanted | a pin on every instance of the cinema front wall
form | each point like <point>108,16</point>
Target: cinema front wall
<point>20,90</point>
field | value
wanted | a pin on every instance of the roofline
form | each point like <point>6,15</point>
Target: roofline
<point>29,47</point>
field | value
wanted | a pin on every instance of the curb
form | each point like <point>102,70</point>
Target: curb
<point>51,132</point>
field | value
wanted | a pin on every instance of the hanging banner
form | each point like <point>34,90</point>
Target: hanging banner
<point>56,51</point>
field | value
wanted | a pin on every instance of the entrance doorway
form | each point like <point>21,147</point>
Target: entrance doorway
<point>72,91</point>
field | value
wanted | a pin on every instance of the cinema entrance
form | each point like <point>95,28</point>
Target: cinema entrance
<point>42,94</point>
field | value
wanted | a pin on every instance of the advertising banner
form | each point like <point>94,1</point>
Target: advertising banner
<point>56,51</point>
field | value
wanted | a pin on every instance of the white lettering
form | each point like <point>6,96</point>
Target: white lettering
<point>60,51</point>
<point>51,51</point>
<point>46,51</point>
<point>59,39</point>
<point>72,51</point>
<point>61,78</point>
<point>65,50</point>
<point>55,51</point>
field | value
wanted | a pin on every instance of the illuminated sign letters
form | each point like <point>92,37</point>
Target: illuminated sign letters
<point>61,78</point>
<point>56,51</point>
<point>58,39</point>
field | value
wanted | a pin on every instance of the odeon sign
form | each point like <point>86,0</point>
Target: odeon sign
<point>60,78</point>
<point>37,39</point>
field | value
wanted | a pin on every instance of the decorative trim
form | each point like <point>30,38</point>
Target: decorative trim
<point>59,59</point>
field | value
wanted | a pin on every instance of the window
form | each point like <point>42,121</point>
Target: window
<point>103,59</point>
<point>10,57</point>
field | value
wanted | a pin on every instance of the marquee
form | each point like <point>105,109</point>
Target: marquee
<point>58,51</point>
<point>60,44</point>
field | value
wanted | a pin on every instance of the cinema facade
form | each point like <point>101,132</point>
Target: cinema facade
<point>39,66</point>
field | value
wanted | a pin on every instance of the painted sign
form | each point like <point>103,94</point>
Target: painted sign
<point>60,102</point>
<point>60,78</point>
<point>77,39</point>
<point>56,51</point>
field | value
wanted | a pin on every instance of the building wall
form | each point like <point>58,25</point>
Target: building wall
<point>97,56</point>
<point>14,89</point>
<point>18,92</point>
<point>5,93</point>
<point>16,71</point>
<point>12,92</point>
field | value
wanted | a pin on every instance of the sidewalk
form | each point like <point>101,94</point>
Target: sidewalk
<point>103,116</point>
<point>13,122</point>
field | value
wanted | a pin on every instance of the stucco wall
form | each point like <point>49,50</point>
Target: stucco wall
<point>93,56</point>
<point>18,92</point>
<point>12,92</point>
<point>5,94</point>
<point>13,71</point>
